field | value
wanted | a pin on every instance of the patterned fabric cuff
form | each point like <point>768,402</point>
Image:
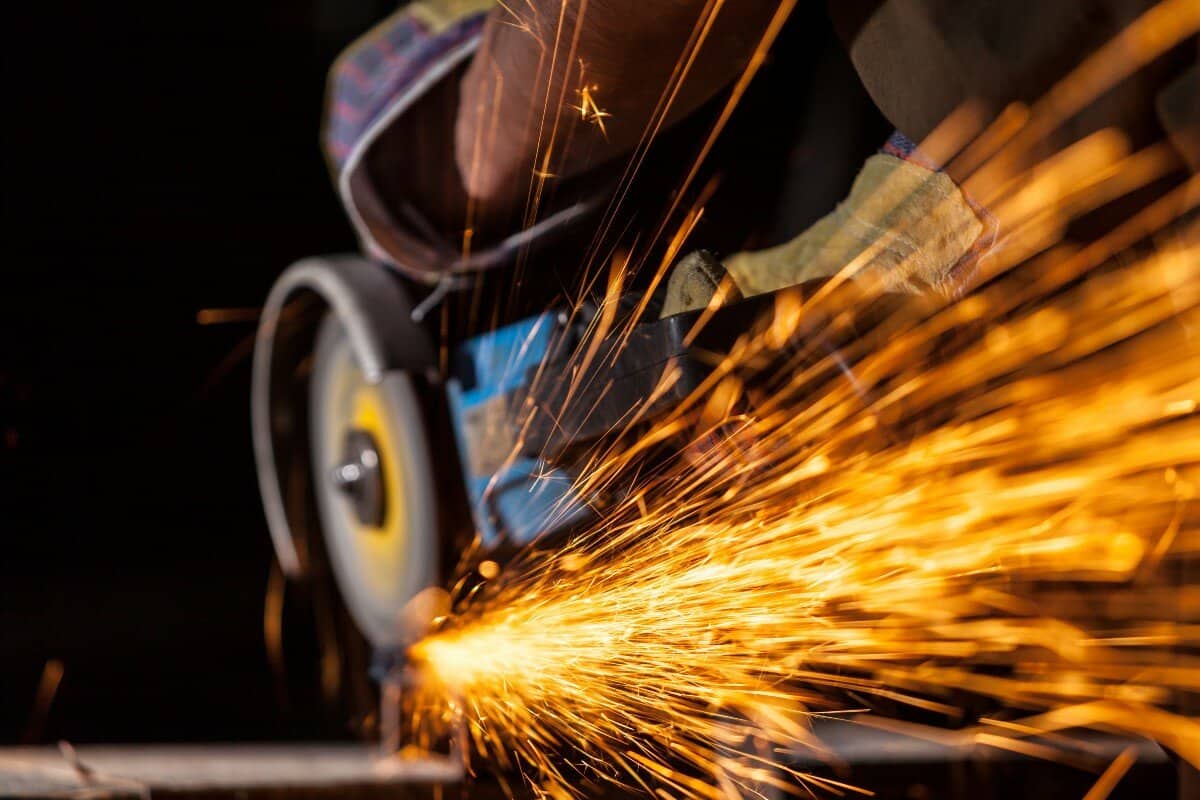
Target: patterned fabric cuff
<point>382,66</point>
<point>901,146</point>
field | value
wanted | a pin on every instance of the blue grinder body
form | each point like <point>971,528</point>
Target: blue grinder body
<point>515,497</point>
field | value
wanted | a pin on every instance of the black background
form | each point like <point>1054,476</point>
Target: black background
<point>156,162</point>
<point>159,160</point>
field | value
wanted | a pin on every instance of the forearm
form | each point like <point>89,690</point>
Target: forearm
<point>523,107</point>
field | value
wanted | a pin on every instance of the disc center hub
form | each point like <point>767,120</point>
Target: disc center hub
<point>359,477</point>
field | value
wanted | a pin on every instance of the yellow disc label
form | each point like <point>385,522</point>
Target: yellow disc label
<point>381,546</point>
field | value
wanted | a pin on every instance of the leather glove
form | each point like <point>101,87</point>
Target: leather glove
<point>910,226</point>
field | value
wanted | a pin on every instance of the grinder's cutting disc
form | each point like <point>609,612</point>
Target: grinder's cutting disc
<point>374,485</point>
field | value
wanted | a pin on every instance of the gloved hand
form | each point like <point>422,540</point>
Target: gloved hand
<point>910,226</point>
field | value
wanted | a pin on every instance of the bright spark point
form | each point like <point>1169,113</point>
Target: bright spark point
<point>588,110</point>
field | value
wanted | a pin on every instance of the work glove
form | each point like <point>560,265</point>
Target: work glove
<point>907,225</point>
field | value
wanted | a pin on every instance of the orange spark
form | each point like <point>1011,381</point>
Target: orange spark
<point>993,508</point>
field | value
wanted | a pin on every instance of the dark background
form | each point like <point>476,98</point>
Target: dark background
<point>159,160</point>
<point>156,162</point>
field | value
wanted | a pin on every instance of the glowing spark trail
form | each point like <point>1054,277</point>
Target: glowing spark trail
<point>997,507</point>
<point>812,558</point>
